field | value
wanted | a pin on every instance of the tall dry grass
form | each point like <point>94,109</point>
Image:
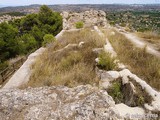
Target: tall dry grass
<point>72,66</point>
<point>149,35</point>
<point>139,62</point>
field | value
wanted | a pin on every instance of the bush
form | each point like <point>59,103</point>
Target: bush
<point>116,91</point>
<point>48,38</point>
<point>106,62</point>
<point>79,25</point>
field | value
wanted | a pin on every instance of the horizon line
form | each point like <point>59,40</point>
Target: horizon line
<point>83,4</point>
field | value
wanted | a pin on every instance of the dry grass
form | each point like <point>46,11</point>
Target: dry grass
<point>141,63</point>
<point>72,66</point>
<point>151,37</point>
<point>84,35</point>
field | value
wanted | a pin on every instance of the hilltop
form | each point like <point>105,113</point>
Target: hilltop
<point>90,71</point>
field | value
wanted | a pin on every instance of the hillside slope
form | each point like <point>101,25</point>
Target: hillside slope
<point>80,77</point>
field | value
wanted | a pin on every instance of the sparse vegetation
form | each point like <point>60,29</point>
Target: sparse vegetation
<point>115,91</point>
<point>119,93</point>
<point>151,37</point>
<point>71,66</point>
<point>79,25</point>
<point>106,61</point>
<point>139,62</point>
<point>142,97</point>
<point>141,100</point>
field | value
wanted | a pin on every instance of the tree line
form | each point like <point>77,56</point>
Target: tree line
<point>24,35</point>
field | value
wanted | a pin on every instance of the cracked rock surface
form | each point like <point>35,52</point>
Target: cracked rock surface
<point>57,103</point>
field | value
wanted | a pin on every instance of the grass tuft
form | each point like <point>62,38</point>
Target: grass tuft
<point>79,25</point>
<point>106,62</point>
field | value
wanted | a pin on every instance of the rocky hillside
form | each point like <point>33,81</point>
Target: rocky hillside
<point>78,77</point>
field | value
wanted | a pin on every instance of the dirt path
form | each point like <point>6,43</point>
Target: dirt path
<point>138,42</point>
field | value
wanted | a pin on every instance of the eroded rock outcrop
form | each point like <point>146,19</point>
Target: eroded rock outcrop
<point>89,18</point>
<point>57,103</point>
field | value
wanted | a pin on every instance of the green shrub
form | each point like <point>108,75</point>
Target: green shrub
<point>79,25</point>
<point>116,91</point>
<point>141,100</point>
<point>21,36</point>
<point>48,38</point>
<point>106,61</point>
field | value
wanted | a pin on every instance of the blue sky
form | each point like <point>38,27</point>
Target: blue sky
<point>28,2</point>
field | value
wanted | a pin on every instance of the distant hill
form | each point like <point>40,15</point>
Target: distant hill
<point>82,7</point>
<point>105,7</point>
<point>1,6</point>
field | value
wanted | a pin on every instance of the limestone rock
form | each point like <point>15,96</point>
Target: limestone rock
<point>128,112</point>
<point>129,94</point>
<point>57,103</point>
<point>109,75</point>
<point>89,18</point>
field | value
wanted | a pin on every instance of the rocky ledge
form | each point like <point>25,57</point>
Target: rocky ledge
<point>57,103</point>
